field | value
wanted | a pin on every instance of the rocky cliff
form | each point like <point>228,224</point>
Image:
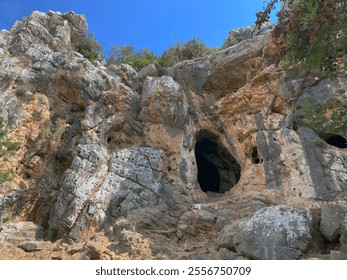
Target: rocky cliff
<point>222,157</point>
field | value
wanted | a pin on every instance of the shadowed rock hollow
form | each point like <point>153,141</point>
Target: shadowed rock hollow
<point>212,159</point>
<point>218,171</point>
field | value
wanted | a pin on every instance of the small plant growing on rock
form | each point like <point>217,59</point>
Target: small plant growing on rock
<point>6,219</point>
<point>332,117</point>
<point>7,148</point>
<point>47,131</point>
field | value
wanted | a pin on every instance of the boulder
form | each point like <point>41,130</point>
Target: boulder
<point>31,246</point>
<point>17,233</point>
<point>94,251</point>
<point>332,217</point>
<point>148,71</point>
<point>204,220</point>
<point>274,233</point>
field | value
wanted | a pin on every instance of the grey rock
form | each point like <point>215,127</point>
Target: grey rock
<point>126,75</point>
<point>332,217</point>
<point>240,34</point>
<point>148,71</point>
<point>273,233</point>
<point>5,38</point>
<point>337,255</point>
<point>227,238</point>
<point>17,233</point>
<point>225,254</point>
<point>2,53</point>
<point>132,179</point>
<point>343,238</point>
<point>163,101</point>
<point>204,220</point>
<point>31,246</point>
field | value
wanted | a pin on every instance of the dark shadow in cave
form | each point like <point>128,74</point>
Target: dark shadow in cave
<point>218,171</point>
<point>208,174</point>
<point>337,141</point>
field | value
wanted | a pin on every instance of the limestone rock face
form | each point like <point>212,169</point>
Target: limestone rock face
<point>99,189</point>
<point>216,157</point>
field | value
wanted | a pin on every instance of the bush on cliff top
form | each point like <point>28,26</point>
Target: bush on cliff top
<point>179,52</point>
<point>90,48</point>
<point>126,54</point>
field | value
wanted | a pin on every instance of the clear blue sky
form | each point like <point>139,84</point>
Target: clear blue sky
<point>153,24</point>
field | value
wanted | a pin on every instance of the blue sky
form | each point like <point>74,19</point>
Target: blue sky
<point>153,24</point>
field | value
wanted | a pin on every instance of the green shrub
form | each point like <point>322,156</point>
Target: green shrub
<point>6,219</point>
<point>193,48</point>
<point>141,59</point>
<point>119,53</point>
<point>126,54</point>
<point>179,52</point>
<point>89,48</point>
<point>7,148</point>
<point>47,130</point>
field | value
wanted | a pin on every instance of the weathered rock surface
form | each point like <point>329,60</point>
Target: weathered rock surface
<point>331,222</point>
<point>279,232</point>
<point>17,233</point>
<point>195,161</point>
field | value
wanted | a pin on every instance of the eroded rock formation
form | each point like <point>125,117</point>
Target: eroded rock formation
<point>214,158</point>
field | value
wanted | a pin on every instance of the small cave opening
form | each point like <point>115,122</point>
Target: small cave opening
<point>256,159</point>
<point>218,170</point>
<point>337,141</point>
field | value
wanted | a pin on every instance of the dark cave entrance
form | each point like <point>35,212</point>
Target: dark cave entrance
<point>337,141</point>
<point>218,171</point>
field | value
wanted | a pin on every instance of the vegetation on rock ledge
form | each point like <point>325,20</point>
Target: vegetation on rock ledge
<point>332,117</point>
<point>310,34</point>
<point>90,48</point>
<point>7,148</point>
<point>194,48</point>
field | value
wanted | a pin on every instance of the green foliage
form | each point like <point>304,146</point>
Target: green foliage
<point>119,53</point>
<point>126,54</point>
<point>47,130</point>
<point>6,219</point>
<point>179,52</point>
<point>141,59</point>
<point>193,48</point>
<point>7,148</point>
<point>230,41</point>
<point>311,34</point>
<point>330,116</point>
<point>90,48</point>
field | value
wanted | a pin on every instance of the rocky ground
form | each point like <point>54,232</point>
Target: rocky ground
<point>214,158</point>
